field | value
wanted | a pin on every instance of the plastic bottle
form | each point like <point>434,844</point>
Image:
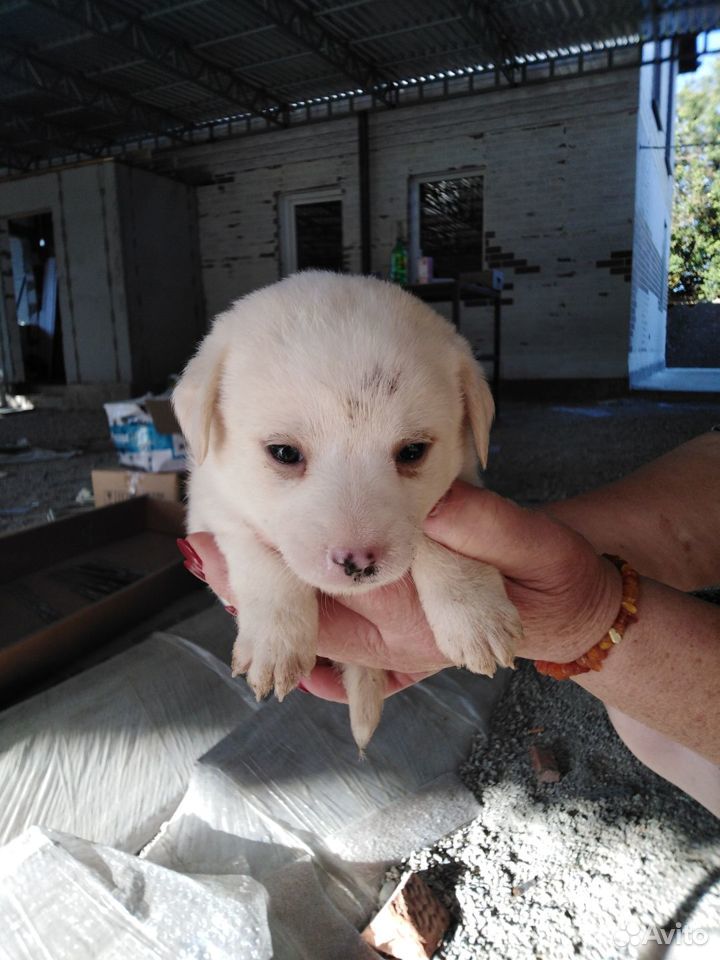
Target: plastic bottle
<point>399,258</point>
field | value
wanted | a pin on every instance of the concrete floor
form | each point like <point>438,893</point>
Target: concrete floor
<point>539,451</point>
<point>551,451</point>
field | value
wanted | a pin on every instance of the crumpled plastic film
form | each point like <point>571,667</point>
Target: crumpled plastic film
<point>285,796</point>
<point>108,754</point>
<point>66,899</point>
<point>268,800</point>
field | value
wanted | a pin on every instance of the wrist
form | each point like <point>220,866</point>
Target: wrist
<point>592,609</point>
<point>594,657</point>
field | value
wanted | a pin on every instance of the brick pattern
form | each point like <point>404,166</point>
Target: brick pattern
<point>619,263</point>
<point>650,272</point>
<point>498,259</point>
<point>558,168</point>
<point>652,219</point>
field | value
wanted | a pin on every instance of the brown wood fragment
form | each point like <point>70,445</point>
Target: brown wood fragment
<point>411,924</point>
<point>544,764</point>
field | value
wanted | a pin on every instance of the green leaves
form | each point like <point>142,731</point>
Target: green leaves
<point>694,272</point>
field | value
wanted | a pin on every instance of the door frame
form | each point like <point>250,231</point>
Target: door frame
<point>287,202</point>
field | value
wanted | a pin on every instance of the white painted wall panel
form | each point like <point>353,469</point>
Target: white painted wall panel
<point>130,291</point>
<point>161,283</point>
<point>89,259</point>
<point>95,264</point>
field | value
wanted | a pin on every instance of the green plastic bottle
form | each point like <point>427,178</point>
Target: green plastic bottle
<point>399,258</point>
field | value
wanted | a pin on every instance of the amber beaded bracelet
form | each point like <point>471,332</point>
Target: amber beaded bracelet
<point>593,659</point>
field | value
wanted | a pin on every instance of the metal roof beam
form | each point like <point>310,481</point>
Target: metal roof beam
<point>48,131</point>
<point>105,19</point>
<point>334,49</point>
<point>486,26</point>
<point>15,159</point>
<point>69,86</point>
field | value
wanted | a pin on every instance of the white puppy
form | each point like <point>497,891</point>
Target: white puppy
<point>326,415</point>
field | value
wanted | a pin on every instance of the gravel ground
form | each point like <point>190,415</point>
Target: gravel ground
<point>539,452</point>
<point>542,452</point>
<point>28,491</point>
<point>582,868</point>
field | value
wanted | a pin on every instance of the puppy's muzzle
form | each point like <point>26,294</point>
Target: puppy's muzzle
<point>359,565</point>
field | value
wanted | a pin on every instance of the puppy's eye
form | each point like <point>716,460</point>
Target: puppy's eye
<point>285,454</point>
<point>411,453</point>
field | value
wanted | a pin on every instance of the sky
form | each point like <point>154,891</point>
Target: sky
<point>713,43</point>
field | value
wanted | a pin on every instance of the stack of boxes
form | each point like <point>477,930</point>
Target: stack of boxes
<point>151,452</point>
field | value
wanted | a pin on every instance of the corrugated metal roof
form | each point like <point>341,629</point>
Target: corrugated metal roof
<point>84,77</point>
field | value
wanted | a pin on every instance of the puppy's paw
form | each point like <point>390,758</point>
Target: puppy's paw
<point>481,633</point>
<point>279,672</point>
<point>474,623</point>
<point>275,648</point>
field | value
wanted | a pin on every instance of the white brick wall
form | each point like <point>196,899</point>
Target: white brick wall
<point>559,167</point>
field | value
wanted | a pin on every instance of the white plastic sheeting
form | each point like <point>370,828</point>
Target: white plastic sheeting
<point>278,812</point>
<point>108,754</point>
<point>66,899</point>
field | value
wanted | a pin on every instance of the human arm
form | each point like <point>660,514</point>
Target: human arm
<point>665,674</point>
<point>663,518</point>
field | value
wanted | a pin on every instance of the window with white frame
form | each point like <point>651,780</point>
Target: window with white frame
<point>311,230</point>
<point>446,222</point>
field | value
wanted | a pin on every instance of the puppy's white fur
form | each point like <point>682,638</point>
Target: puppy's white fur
<point>348,370</point>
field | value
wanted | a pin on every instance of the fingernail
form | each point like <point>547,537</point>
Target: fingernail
<point>187,551</point>
<point>195,570</point>
<point>231,610</point>
<point>440,504</point>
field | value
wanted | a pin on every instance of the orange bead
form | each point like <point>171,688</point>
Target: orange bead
<point>595,656</point>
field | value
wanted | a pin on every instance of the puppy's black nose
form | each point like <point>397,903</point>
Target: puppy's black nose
<point>358,564</point>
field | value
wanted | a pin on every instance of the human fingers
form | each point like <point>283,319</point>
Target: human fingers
<point>204,560</point>
<point>485,526</point>
<point>566,595</point>
<point>325,682</point>
<point>384,628</point>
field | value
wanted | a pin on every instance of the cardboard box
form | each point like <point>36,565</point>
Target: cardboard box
<point>71,585</point>
<point>112,486</point>
<point>146,434</point>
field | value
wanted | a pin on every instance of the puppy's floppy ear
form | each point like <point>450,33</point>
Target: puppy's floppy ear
<point>196,393</point>
<point>479,403</point>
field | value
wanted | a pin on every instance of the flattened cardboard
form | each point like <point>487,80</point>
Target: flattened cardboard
<point>113,486</point>
<point>72,585</point>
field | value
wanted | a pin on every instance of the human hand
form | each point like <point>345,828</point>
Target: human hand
<point>384,629</point>
<point>566,595</point>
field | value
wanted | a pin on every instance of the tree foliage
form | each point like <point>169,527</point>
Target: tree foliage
<point>694,272</point>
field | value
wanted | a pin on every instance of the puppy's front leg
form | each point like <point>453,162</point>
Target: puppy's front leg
<point>465,603</point>
<point>277,616</point>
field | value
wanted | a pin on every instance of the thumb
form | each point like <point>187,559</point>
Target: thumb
<point>485,526</point>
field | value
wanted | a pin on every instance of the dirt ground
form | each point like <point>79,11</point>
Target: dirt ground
<point>539,451</point>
